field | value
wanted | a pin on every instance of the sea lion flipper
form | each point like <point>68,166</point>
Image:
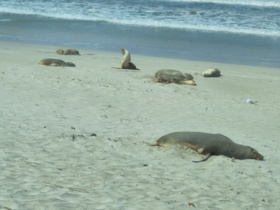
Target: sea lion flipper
<point>198,161</point>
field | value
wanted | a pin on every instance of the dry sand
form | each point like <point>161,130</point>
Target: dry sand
<point>51,158</point>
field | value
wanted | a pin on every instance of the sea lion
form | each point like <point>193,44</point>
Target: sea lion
<point>68,52</point>
<point>209,144</point>
<point>174,76</point>
<point>212,73</point>
<point>56,62</point>
<point>126,62</point>
<point>60,51</point>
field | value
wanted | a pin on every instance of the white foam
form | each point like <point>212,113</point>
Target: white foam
<point>5,20</point>
<point>258,3</point>
<point>205,28</point>
<point>213,20</point>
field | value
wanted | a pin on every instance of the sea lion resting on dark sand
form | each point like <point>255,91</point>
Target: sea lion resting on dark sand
<point>56,62</point>
<point>209,144</point>
<point>126,62</point>
<point>174,76</point>
<point>67,52</point>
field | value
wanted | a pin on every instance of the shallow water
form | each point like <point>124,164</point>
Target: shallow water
<point>216,30</point>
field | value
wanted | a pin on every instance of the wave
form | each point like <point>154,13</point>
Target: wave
<point>158,24</point>
<point>229,19</point>
<point>201,28</point>
<point>256,3</point>
<point>5,20</point>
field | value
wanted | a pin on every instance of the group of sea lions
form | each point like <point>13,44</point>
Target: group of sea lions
<point>125,64</point>
<point>168,75</point>
<point>177,77</point>
<point>68,52</point>
<point>203,143</point>
<point>58,62</point>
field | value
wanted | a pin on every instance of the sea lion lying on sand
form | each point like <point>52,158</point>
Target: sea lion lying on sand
<point>68,52</point>
<point>209,144</point>
<point>212,73</point>
<point>174,76</point>
<point>56,62</point>
<point>126,62</point>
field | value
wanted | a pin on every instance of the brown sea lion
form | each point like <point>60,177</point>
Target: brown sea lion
<point>212,73</point>
<point>60,51</point>
<point>209,144</point>
<point>56,62</point>
<point>68,52</point>
<point>126,62</point>
<point>174,76</point>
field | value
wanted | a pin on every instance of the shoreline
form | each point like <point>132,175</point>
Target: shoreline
<point>76,138</point>
<point>52,47</point>
<point>243,49</point>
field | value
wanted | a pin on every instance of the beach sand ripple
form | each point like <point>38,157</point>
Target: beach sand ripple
<point>77,138</point>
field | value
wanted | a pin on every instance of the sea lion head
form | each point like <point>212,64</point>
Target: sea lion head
<point>123,51</point>
<point>183,80</point>
<point>60,51</point>
<point>166,141</point>
<point>253,154</point>
<point>70,64</point>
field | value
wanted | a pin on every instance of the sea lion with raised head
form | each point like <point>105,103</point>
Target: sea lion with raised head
<point>68,52</point>
<point>174,76</point>
<point>126,62</point>
<point>209,144</point>
<point>56,62</point>
<point>212,73</point>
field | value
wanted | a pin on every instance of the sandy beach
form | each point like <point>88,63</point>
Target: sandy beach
<point>76,138</point>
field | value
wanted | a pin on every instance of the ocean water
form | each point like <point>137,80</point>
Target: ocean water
<point>231,31</point>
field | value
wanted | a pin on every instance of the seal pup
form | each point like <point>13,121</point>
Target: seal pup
<point>212,73</point>
<point>126,62</point>
<point>209,144</point>
<point>68,52</point>
<point>56,62</point>
<point>174,76</point>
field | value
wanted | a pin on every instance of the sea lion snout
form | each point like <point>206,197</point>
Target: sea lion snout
<point>70,64</point>
<point>253,154</point>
